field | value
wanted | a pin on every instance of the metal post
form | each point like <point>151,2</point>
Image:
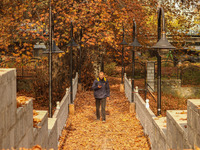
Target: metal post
<point>133,73</point>
<point>50,60</point>
<point>71,66</point>
<point>80,60</point>
<point>145,81</point>
<point>122,64</point>
<point>159,84</point>
<point>123,43</point>
<point>71,84</point>
<point>159,66</point>
<point>159,24</point>
<point>161,44</point>
<point>133,62</point>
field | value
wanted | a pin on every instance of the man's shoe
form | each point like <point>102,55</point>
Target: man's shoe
<point>103,121</point>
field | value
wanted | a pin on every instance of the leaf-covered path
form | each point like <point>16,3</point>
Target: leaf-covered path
<point>121,131</point>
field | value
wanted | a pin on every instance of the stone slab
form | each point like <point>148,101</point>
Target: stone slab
<point>52,133</point>
<point>177,129</point>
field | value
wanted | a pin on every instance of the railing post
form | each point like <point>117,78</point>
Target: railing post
<point>133,104</point>
<point>57,105</point>
<point>130,90</point>
<point>136,89</point>
<point>129,81</point>
<point>147,103</point>
<point>67,90</point>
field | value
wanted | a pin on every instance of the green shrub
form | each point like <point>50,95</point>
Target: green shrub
<point>110,69</point>
<point>191,75</point>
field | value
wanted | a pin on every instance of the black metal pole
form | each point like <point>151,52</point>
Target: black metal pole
<point>133,73</point>
<point>159,66</point>
<point>159,24</point>
<point>80,55</point>
<point>122,64</point>
<point>145,81</point>
<point>71,66</point>
<point>133,62</point>
<point>122,59</point>
<point>159,85</point>
<point>50,60</point>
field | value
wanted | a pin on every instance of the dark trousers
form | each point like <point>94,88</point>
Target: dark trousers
<point>101,102</point>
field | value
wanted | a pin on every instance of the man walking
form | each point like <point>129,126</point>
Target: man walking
<point>101,93</point>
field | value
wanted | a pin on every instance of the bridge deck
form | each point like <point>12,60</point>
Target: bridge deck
<point>120,131</point>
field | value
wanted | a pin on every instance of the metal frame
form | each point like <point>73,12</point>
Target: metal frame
<point>161,44</point>
<point>71,44</point>
<point>123,43</point>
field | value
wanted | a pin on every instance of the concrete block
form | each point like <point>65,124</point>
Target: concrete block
<point>23,143</point>
<point>159,133</point>
<point>180,141</point>
<point>193,104</point>
<point>197,140</point>
<point>198,124</point>
<point>194,120</point>
<point>62,114</point>
<point>27,140</point>
<point>28,115</point>
<point>26,120</point>
<point>13,90</point>
<point>191,135</point>
<point>22,126</point>
<point>19,113</point>
<point>52,133</point>
<point>13,109</point>
<point>1,143</point>
<point>8,117</point>
<point>176,129</point>
<point>170,133</point>
<point>189,116</point>
<point>30,137</point>
<point>41,133</point>
<point>4,92</point>
<point>5,129</point>
<point>186,144</point>
<point>17,136</point>
<point>6,142</point>
<point>12,136</point>
<point>2,132</point>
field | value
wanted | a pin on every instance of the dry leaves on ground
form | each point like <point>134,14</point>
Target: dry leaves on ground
<point>21,100</point>
<point>36,120</point>
<point>121,131</point>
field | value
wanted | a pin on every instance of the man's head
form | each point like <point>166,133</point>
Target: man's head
<point>101,75</point>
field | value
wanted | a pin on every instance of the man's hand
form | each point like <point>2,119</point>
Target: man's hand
<point>99,86</point>
<point>107,98</point>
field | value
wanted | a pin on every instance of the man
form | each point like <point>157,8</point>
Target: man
<point>101,93</point>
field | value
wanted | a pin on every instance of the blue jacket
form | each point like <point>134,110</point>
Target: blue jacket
<point>102,92</point>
